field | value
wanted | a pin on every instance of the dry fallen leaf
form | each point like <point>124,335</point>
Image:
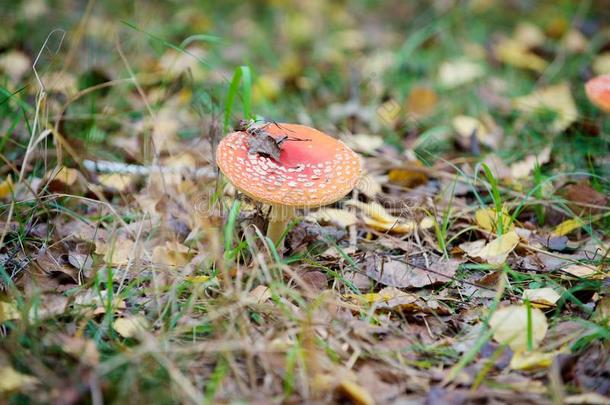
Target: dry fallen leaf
<point>117,253</point>
<point>377,217</point>
<point>525,167</point>
<point>8,311</point>
<point>356,393</point>
<point>63,175</point>
<point>488,219</point>
<point>421,101</point>
<point>369,185</point>
<point>12,380</point>
<point>260,293</point>
<point>396,273</point>
<point>496,251</point>
<point>6,187</point>
<point>363,143</point>
<point>542,297</point>
<point>130,327</point>
<point>601,64</point>
<point>340,217</point>
<point>567,226</point>
<point>466,127</point>
<point>409,176</point>
<point>532,360</point>
<point>557,98</point>
<point>509,325</point>
<point>458,72</point>
<point>117,181</point>
<point>171,254</point>
<point>517,54</point>
<point>583,271</point>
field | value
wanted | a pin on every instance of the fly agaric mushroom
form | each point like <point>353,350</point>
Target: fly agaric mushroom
<point>598,91</point>
<point>313,170</point>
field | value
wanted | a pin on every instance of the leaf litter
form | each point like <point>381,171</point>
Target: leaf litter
<point>430,269</point>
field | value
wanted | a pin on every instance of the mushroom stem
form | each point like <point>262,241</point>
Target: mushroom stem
<point>279,218</point>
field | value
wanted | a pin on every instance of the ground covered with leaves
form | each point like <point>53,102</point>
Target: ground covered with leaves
<point>469,265</point>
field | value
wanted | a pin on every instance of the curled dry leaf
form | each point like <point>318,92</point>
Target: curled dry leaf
<point>510,326</point>
<point>494,252</point>
<point>542,297</point>
<point>340,217</point>
<point>466,127</point>
<point>8,311</point>
<point>377,217</point>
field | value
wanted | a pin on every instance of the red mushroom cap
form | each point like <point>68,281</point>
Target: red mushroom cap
<point>598,91</point>
<point>312,171</point>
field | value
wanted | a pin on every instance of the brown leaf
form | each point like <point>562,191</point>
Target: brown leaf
<point>265,145</point>
<point>396,273</point>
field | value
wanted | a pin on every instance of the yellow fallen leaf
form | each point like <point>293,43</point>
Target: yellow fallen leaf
<point>557,98</point>
<point>389,112</point>
<point>580,270</point>
<point>588,398</point>
<point>117,181</point>
<point>356,393</point>
<point>6,187</point>
<point>466,126</point>
<point>532,360</point>
<point>427,223</point>
<point>458,72</point>
<point>411,175</point>
<point>377,217</point>
<point>529,35</point>
<point>494,252</point>
<point>525,167</point>
<point>509,326</point>
<point>487,219</point>
<point>541,297</point>
<point>567,226</point>
<point>198,279</point>
<point>64,175</point>
<point>364,143</point>
<point>260,293</point>
<point>117,253</point>
<point>421,101</point>
<point>601,64</point>
<point>517,54</point>
<point>341,217</point>
<point>369,186</point>
<point>171,254</point>
<point>266,88</point>
<point>12,380</point>
<point>390,298</point>
<point>131,326</point>
<point>8,311</point>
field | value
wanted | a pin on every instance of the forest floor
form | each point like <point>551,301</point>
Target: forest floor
<point>469,264</point>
